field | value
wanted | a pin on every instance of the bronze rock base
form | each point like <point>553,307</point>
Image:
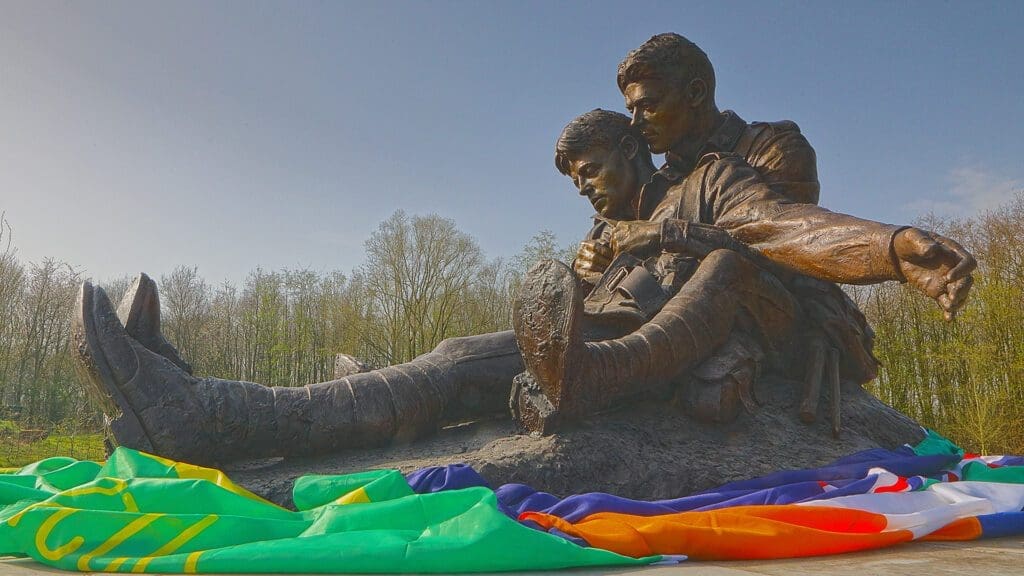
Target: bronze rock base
<point>649,451</point>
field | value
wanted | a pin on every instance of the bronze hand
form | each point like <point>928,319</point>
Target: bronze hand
<point>937,266</point>
<point>592,259</point>
<point>638,237</point>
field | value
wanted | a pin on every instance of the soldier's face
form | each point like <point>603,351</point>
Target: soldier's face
<point>608,179</point>
<point>660,112</point>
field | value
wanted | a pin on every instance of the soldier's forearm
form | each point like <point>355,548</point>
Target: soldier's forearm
<point>825,244</point>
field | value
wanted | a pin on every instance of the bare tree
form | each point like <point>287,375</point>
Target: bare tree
<point>185,303</point>
<point>12,278</point>
<point>418,270</point>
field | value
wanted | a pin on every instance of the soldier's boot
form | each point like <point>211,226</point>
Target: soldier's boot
<point>151,404</point>
<point>139,311</point>
<point>573,378</point>
<point>483,365</point>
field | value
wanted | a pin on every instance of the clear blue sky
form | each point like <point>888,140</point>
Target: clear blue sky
<point>141,135</point>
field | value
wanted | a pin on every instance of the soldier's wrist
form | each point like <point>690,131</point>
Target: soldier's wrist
<point>894,258</point>
<point>674,235</point>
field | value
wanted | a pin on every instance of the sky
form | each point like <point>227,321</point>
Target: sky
<point>140,136</point>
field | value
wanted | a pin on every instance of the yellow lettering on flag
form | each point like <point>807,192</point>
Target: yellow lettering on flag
<point>120,536</point>
<point>44,531</point>
<point>191,471</point>
<point>115,564</point>
<point>118,486</point>
<point>192,561</point>
<point>13,521</point>
<point>177,542</point>
<point>129,502</point>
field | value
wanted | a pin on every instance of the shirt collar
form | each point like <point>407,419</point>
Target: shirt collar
<point>728,134</point>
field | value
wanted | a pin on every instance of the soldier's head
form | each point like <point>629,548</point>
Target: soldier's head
<point>669,86</point>
<point>607,159</point>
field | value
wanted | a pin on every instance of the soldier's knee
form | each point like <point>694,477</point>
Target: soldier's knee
<point>459,346</point>
<point>450,346</point>
<point>480,345</point>
<point>728,266</point>
<point>723,257</point>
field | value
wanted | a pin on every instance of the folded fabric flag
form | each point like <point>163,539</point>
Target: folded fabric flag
<point>857,503</point>
<point>450,477</point>
<point>845,524</point>
<point>871,470</point>
<point>142,513</point>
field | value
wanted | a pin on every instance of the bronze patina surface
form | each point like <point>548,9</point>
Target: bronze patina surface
<point>728,233</point>
<point>699,282</point>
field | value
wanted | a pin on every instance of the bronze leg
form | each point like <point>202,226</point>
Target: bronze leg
<point>152,404</point>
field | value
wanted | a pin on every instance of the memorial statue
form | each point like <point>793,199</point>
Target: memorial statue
<point>696,277</point>
<point>709,179</point>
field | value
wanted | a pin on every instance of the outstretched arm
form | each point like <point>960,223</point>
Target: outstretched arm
<point>812,240</point>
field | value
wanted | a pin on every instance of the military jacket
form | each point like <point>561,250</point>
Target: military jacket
<point>723,190</point>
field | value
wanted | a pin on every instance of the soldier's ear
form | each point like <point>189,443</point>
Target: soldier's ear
<point>629,146</point>
<point>697,92</point>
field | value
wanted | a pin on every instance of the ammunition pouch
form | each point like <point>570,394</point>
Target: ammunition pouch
<point>631,291</point>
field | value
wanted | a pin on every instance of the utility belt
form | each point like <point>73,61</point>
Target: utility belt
<point>631,291</point>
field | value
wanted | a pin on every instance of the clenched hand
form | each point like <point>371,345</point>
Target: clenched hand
<point>937,266</point>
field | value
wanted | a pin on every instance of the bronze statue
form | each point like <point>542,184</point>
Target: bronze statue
<point>610,163</point>
<point>704,190</point>
<point>700,270</point>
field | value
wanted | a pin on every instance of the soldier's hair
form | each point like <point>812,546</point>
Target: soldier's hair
<point>668,57</point>
<point>597,128</point>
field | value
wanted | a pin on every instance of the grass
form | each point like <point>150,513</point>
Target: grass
<point>81,446</point>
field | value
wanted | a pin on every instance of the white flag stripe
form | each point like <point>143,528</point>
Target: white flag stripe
<point>925,512</point>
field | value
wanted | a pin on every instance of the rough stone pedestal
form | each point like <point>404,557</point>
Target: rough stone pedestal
<point>648,451</point>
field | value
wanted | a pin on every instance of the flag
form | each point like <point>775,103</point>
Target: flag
<point>141,513</point>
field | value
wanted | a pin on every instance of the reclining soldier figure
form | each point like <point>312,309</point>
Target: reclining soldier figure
<point>153,403</point>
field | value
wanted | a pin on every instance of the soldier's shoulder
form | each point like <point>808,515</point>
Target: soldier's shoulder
<point>773,128</point>
<point>774,142</point>
<point>762,135</point>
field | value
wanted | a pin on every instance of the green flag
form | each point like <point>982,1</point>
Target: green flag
<point>142,513</point>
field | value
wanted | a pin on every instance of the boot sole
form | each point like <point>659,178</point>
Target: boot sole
<point>133,303</point>
<point>546,317</point>
<point>135,308</point>
<point>95,371</point>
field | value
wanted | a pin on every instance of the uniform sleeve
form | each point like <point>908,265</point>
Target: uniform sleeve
<point>804,238</point>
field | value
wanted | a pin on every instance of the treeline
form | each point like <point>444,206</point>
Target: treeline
<point>422,280</point>
<point>37,381</point>
<point>963,378</point>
